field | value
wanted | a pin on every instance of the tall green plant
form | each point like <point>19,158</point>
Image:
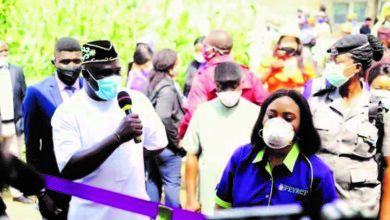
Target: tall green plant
<point>33,26</point>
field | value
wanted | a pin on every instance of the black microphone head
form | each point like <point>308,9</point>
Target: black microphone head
<point>124,100</point>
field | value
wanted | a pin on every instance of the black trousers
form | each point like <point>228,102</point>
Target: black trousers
<point>3,207</point>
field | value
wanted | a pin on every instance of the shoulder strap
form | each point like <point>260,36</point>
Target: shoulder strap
<point>321,87</point>
<point>153,98</point>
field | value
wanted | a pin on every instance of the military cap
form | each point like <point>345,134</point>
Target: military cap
<point>348,43</point>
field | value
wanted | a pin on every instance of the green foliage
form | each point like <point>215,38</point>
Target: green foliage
<point>31,27</point>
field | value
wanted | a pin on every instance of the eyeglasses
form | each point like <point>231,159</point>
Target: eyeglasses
<point>67,61</point>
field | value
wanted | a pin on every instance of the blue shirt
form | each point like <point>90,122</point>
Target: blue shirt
<point>299,180</point>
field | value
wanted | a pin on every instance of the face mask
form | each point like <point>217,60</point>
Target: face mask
<point>3,61</point>
<point>68,75</point>
<point>335,74</point>
<point>320,20</point>
<point>145,72</point>
<point>380,93</point>
<point>229,98</point>
<point>383,93</point>
<point>386,25</point>
<point>107,87</point>
<point>208,54</point>
<point>278,133</point>
<point>199,58</point>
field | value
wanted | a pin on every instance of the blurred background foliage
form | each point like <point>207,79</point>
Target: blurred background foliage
<point>31,27</point>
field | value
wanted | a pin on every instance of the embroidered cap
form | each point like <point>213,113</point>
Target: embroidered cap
<point>98,51</point>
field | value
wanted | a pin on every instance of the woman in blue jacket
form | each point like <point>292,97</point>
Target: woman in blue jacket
<point>279,165</point>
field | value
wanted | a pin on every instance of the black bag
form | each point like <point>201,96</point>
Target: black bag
<point>376,113</point>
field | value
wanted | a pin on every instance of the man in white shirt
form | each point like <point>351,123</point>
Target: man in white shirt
<point>93,137</point>
<point>12,92</point>
<point>217,128</point>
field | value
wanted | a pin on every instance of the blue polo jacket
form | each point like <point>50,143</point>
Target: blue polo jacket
<point>299,180</point>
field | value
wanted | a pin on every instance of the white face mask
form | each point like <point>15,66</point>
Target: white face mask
<point>386,25</point>
<point>382,93</point>
<point>199,57</point>
<point>229,98</point>
<point>3,61</point>
<point>278,133</point>
<point>334,73</point>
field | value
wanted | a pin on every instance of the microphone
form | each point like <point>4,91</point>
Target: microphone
<point>125,103</point>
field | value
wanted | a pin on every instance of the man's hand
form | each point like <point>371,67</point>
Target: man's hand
<point>192,205</point>
<point>129,128</point>
<point>50,210</point>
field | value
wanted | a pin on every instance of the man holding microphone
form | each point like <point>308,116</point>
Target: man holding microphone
<point>94,138</point>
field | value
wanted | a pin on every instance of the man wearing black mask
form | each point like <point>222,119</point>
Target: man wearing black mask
<point>41,101</point>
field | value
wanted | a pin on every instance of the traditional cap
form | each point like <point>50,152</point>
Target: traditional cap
<point>227,71</point>
<point>98,51</point>
<point>349,43</point>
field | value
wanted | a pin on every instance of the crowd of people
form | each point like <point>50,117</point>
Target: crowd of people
<point>300,128</point>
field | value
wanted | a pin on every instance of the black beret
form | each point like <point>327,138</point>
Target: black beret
<point>227,71</point>
<point>348,43</point>
<point>98,51</point>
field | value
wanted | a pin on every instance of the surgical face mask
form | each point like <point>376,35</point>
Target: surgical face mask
<point>321,20</point>
<point>199,58</point>
<point>107,87</point>
<point>334,73</point>
<point>229,98</point>
<point>382,95</point>
<point>277,133</point>
<point>208,54</point>
<point>69,74</point>
<point>386,25</point>
<point>3,61</point>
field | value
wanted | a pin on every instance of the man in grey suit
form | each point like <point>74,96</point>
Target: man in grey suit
<point>42,99</point>
<point>12,91</point>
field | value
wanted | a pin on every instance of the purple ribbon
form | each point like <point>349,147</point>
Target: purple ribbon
<point>114,199</point>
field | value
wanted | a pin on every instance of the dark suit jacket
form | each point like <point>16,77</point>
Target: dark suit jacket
<point>41,101</point>
<point>19,90</point>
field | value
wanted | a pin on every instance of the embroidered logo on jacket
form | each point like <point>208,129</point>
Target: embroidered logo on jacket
<point>290,189</point>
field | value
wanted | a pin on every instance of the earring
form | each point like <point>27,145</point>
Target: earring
<point>259,133</point>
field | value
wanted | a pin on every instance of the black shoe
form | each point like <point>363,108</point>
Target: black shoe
<point>23,200</point>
